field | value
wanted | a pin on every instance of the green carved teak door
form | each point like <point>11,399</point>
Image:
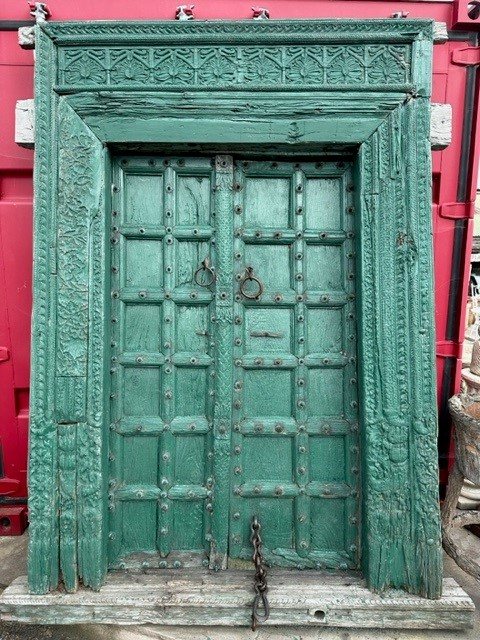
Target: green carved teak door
<point>233,367</point>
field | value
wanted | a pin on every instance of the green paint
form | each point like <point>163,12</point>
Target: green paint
<point>295,411</point>
<point>375,108</point>
<point>192,442</point>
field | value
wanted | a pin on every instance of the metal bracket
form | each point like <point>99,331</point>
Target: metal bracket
<point>466,57</point>
<point>457,210</point>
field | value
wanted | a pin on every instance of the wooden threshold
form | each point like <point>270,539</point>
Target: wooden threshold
<point>198,597</point>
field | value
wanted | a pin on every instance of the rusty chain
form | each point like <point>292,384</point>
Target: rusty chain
<point>260,580</point>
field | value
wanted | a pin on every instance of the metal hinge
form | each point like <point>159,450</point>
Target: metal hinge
<point>456,210</point>
<point>4,354</point>
<point>466,57</point>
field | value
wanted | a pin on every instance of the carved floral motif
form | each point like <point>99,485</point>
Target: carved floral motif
<point>223,66</point>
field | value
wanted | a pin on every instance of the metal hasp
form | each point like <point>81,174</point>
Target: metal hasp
<point>260,581</point>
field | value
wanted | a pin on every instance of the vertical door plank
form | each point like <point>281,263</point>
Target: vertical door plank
<point>223,204</point>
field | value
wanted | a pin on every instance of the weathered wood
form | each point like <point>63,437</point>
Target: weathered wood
<point>94,108</point>
<point>224,598</point>
<point>440,32</point>
<point>392,209</point>
<point>463,545</point>
<point>440,126</point>
<point>25,123</point>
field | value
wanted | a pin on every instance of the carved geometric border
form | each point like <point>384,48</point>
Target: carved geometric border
<point>387,120</point>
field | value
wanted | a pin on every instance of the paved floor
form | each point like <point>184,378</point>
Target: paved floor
<point>12,565</point>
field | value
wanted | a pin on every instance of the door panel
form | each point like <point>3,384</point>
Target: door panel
<point>225,404</point>
<point>295,409</point>
<point>162,355</point>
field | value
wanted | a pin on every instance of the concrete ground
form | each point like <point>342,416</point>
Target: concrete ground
<point>13,564</point>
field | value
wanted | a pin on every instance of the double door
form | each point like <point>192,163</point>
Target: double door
<point>233,362</point>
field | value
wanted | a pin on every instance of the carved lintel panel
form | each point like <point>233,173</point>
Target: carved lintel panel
<point>230,67</point>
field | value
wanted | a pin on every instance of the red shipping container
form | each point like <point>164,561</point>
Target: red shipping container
<point>455,169</point>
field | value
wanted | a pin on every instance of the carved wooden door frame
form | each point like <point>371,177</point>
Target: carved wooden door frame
<point>298,86</point>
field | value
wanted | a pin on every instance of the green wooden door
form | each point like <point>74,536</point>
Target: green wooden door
<point>233,389</point>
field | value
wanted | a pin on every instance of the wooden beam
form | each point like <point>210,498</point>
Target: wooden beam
<point>203,598</point>
<point>440,127</point>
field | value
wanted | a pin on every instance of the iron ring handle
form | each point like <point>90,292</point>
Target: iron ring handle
<point>250,277</point>
<point>204,268</point>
